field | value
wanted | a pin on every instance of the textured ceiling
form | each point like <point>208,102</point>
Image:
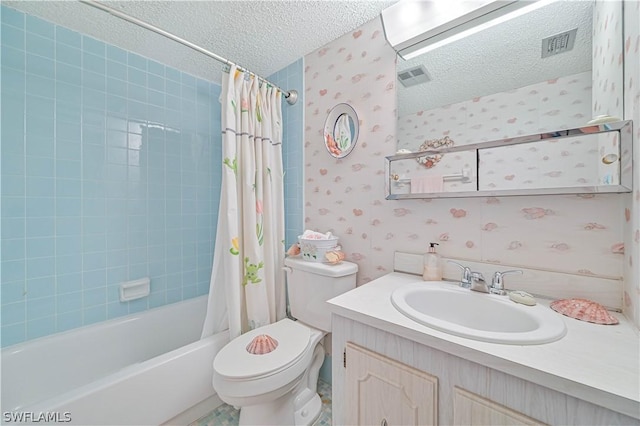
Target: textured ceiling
<point>500,58</point>
<point>263,36</point>
<point>266,36</point>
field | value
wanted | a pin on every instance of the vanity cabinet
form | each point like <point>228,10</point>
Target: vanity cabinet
<point>381,391</point>
<point>450,389</point>
<point>471,409</point>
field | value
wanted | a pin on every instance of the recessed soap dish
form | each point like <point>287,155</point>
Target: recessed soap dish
<point>135,289</point>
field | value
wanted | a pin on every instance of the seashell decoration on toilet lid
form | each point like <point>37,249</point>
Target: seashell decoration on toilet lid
<point>262,344</point>
<point>584,310</point>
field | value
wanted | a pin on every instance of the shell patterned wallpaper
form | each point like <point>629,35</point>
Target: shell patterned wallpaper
<point>502,115</point>
<point>631,300</point>
<point>359,69</point>
<point>526,110</point>
<point>573,234</point>
<point>608,56</point>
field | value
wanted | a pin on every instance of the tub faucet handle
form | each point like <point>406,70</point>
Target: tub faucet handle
<point>465,281</point>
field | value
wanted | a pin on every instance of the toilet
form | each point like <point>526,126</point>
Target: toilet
<point>279,387</point>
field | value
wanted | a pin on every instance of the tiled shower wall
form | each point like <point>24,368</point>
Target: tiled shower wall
<point>292,78</point>
<point>108,174</point>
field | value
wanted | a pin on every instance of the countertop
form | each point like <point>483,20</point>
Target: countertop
<point>596,363</point>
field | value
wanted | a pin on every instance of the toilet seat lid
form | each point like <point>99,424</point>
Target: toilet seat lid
<point>234,362</point>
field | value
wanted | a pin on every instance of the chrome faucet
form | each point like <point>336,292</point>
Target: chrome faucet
<point>465,281</point>
<point>478,283</point>
<point>497,284</point>
<point>475,280</point>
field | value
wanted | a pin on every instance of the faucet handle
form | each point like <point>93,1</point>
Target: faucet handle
<point>498,278</point>
<point>466,274</point>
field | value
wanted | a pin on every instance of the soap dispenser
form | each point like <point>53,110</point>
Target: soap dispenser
<point>432,264</point>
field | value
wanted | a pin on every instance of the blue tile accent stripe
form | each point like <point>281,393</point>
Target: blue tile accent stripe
<point>103,179</point>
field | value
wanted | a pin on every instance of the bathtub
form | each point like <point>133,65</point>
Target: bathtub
<point>141,369</point>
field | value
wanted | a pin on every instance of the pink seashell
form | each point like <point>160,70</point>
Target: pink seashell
<point>262,344</point>
<point>584,310</point>
<point>335,256</point>
<point>294,250</point>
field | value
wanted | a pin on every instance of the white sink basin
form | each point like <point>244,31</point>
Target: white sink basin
<point>480,316</point>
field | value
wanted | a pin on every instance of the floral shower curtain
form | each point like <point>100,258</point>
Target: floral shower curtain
<point>247,280</point>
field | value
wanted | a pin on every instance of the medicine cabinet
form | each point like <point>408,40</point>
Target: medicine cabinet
<point>585,160</point>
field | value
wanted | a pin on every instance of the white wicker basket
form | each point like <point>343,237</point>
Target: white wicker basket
<point>314,250</point>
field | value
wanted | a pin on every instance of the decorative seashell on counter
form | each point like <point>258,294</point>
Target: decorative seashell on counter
<point>262,344</point>
<point>584,310</point>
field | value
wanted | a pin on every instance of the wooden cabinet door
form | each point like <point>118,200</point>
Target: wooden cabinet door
<point>381,391</point>
<point>470,409</point>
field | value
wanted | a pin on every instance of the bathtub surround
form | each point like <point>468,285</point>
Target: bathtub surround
<point>108,174</point>
<point>571,234</point>
<point>88,371</point>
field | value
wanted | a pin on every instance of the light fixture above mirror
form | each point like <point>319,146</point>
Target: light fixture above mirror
<point>414,27</point>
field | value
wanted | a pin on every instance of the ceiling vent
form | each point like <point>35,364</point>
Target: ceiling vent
<point>413,76</point>
<point>558,43</point>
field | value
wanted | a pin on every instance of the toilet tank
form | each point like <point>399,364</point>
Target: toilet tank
<point>311,284</point>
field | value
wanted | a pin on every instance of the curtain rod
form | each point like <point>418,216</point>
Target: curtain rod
<point>290,95</point>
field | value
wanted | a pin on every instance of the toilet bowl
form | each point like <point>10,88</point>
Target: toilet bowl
<point>279,387</point>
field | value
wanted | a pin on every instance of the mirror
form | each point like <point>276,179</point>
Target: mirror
<point>341,130</point>
<point>496,84</point>
<point>591,159</point>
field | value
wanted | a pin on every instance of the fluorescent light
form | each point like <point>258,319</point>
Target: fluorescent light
<point>415,27</point>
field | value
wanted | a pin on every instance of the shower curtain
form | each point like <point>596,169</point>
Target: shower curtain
<point>247,280</point>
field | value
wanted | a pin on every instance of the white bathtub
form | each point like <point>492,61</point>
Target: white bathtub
<point>141,369</point>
